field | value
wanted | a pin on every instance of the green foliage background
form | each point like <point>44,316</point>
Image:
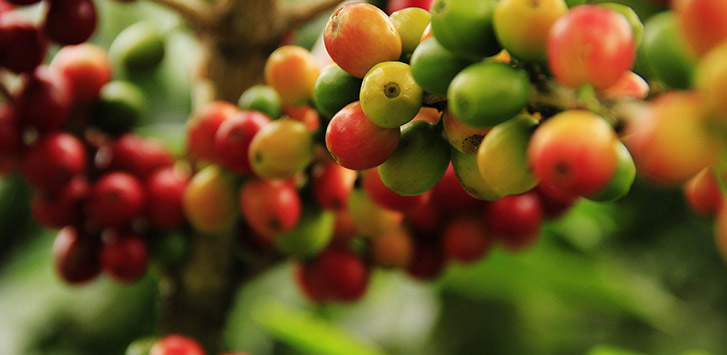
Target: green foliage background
<point>642,274</point>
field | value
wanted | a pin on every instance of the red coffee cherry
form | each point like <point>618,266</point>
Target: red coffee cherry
<point>203,126</point>
<point>115,200</point>
<point>53,161</point>
<point>232,140</point>
<point>164,191</point>
<point>465,239</point>
<point>124,257</point>
<point>86,67</point>
<point>62,13</point>
<point>10,136</point>
<point>139,156</point>
<point>426,219</point>
<point>515,219</point>
<point>270,207</point>
<point>427,262</point>
<point>6,6</point>
<point>703,194</point>
<point>176,345</point>
<point>75,256</point>
<point>23,45</point>
<point>385,197</point>
<point>44,101</point>
<point>310,283</point>
<point>63,207</point>
<point>332,184</point>
<point>342,275</point>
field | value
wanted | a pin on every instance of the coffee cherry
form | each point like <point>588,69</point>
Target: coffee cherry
<point>261,98</point>
<point>80,13</point>
<point>312,233</point>
<point>703,23</point>
<point>292,72</point>
<point>310,283</point>
<point>574,152</point>
<point>703,193</point>
<point>449,194</point>
<point>393,249</point>
<point>343,229</point>
<point>410,23</point>
<point>176,345</point>
<point>10,136</point>
<point>666,51</point>
<point>203,126</point>
<point>389,95</point>
<point>115,200</point>
<point>139,47</point>
<point>124,257</point>
<point>233,138</point>
<point>60,208</point>
<point>357,143</point>
<point>465,239</point>
<point>630,85</point>
<point>76,256</point>
<point>209,201</point>
<point>53,161</point>
<point>515,220</point>
<point>462,136</point>
<point>359,36</point>
<point>711,79</point>
<point>370,219</point>
<point>119,107</point>
<point>270,207</point>
<point>334,90</point>
<point>44,101</point>
<point>620,184</point>
<point>332,184</point>
<point>281,149</point>
<point>86,67</point>
<point>139,156</point>
<point>428,217</point>
<point>305,115</point>
<point>590,45</point>
<point>427,262</point>
<point>23,45</point>
<point>385,197</point>
<point>467,170</point>
<point>522,26</point>
<point>465,27</point>
<point>434,66</point>
<point>345,276</point>
<point>165,191</point>
<point>396,5</point>
<point>554,202</point>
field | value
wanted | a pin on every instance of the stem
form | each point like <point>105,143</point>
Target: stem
<point>197,12</point>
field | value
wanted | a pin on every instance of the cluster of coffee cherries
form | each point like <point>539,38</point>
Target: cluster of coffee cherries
<point>172,344</point>
<point>64,127</point>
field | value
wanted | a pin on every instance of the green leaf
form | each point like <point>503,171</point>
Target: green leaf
<point>610,350</point>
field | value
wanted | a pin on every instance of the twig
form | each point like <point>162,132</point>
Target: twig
<point>196,11</point>
<point>296,15</point>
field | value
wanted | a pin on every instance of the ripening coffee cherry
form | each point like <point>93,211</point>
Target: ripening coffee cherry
<point>334,90</point>
<point>281,149</point>
<point>76,256</point>
<point>310,235</point>
<point>461,136</point>
<point>292,72</point>
<point>115,200</point>
<point>465,239</point>
<point>165,191</point>
<point>434,66</point>
<point>703,193</point>
<point>139,156</point>
<point>305,115</point>
<point>467,170</point>
<point>343,274</point>
<point>203,126</point>
<point>385,197</point>
<point>63,207</point>
<point>233,138</point>
<point>515,220</point>
<point>410,23</point>
<point>389,95</point>
<point>711,79</point>
<point>53,161</point>
<point>357,143</point>
<point>574,152</point>
<point>23,45</point>
<point>396,5</point>
<point>427,262</point>
<point>10,135</point>
<point>176,345</point>
<point>332,184</point>
<point>590,45</point>
<point>554,202</point>
<point>522,26</point>
<point>703,22</point>
<point>622,179</point>
<point>124,257</point>
<point>119,107</point>
<point>427,218</point>
<point>420,160</point>
<point>310,283</point>
<point>139,47</point>
<point>44,101</point>
<point>359,36</point>
<point>210,202</point>
<point>630,85</point>
<point>651,139</point>
<point>261,98</point>
<point>449,194</point>
<point>343,229</point>
<point>370,219</point>
<point>86,67</point>
<point>80,13</point>
<point>270,207</point>
<point>488,93</point>
<point>666,51</point>
<point>465,26</point>
<point>393,249</point>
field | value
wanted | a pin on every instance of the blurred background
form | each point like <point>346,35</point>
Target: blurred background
<point>641,276</point>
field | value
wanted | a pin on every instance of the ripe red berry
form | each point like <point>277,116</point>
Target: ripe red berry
<point>233,137</point>
<point>449,195</point>
<point>6,6</point>
<point>426,218</point>
<point>515,219</point>
<point>465,239</point>
<point>343,273</point>
<point>396,5</point>
<point>10,136</point>
<point>124,257</point>
<point>703,193</point>
<point>310,283</point>
<point>139,156</point>
<point>75,256</point>
<point>553,201</point>
<point>343,229</point>
<point>63,207</point>
<point>53,161</point>
<point>176,345</point>
<point>115,200</point>
<point>80,13</point>
<point>332,184</point>
<point>164,191</point>
<point>203,126</point>
<point>23,45</point>
<point>427,262</point>
<point>86,67</point>
<point>385,197</point>
<point>44,101</point>
<point>270,207</point>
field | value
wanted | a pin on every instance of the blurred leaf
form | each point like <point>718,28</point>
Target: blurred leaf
<point>610,350</point>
